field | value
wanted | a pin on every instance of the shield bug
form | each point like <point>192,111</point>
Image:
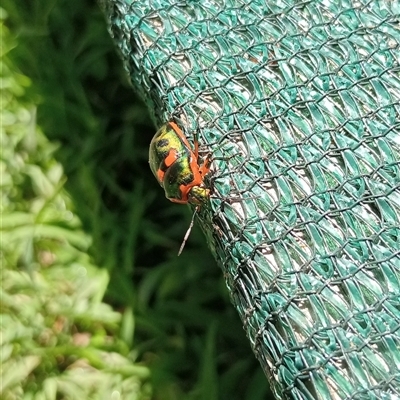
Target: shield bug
<point>177,168</point>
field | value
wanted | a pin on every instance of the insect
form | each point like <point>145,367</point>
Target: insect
<point>176,167</point>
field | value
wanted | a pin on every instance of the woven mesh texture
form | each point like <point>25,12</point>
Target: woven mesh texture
<point>299,105</point>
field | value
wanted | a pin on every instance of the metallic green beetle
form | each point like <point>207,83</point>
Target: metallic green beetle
<point>175,165</point>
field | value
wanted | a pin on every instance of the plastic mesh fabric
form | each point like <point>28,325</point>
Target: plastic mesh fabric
<point>299,104</point>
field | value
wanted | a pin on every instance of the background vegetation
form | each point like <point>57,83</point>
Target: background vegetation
<point>96,303</point>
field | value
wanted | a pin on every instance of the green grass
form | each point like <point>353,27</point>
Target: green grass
<point>81,197</point>
<point>54,324</point>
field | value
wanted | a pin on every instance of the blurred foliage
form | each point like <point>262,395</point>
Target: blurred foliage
<point>176,315</point>
<point>58,339</point>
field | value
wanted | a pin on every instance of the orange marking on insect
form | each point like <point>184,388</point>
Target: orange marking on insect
<point>171,158</point>
<point>184,200</point>
<point>160,175</point>
<point>179,132</point>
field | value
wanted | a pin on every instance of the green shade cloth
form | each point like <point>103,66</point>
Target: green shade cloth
<point>299,105</point>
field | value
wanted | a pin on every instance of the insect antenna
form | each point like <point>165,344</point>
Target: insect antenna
<point>188,231</point>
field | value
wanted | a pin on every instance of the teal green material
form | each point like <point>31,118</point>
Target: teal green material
<point>299,104</point>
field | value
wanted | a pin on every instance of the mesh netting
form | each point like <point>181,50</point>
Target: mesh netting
<point>298,103</point>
